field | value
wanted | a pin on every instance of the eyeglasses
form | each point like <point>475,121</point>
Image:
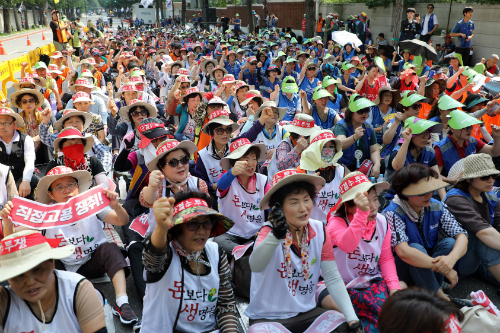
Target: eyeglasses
<point>222,130</point>
<point>424,135</point>
<point>195,226</point>
<point>143,113</point>
<point>175,162</point>
<point>416,106</point>
<point>185,86</point>
<point>6,124</point>
<point>70,187</point>
<point>486,178</point>
<point>28,101</point>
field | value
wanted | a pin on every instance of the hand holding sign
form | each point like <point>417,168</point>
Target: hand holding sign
<point>8,226</point>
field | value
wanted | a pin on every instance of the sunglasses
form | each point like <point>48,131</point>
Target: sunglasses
<point>28,101</point>
<point>195,226</point>
<point>486,178</point>
<point>311,68</point>
<point>253,64</point>
<point>416,106</point>
<point>175,162</point>
<point>135,114</point>
<point>363,111</point>
<point>159,139</point>
<point>222,130</point>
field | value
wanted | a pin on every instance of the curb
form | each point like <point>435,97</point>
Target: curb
<point>24,34</point>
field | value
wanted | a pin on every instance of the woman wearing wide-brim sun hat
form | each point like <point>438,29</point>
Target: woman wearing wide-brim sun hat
<point>84,116</point>
<point>170,174</point>
<point>253,100</point>
<point>74,147</point>
<point>474,203</point>
<point>82,82</point>
<point>460,140</point>
<point>28,254</point>
<point>385,104</point>
<point>322,156</point>
<point>270,81</point>
<point>287,154</point>
<point>296,245</point>
<point>424,228</point>
<point>225,89</point>
<point>192,260</point>
<point>354,225</point>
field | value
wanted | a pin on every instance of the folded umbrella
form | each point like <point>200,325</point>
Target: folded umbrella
<point>418,47</point>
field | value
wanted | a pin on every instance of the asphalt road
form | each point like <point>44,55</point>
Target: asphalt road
<point>17,47</point>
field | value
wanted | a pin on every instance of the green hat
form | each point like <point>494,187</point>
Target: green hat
<point>408,65</point>
<point>304,41</point>
<point>456,56</point>
<point>290,59</point>
<point>346,66</point>
<point>40,64</point>
<point>194,15</point>
<point>281,54</point>
<point>303,53</point>
<point>447,103</point>
<point>312,64</point>
<point>412,99</point>
<point>380,63</point>
<point>320,93</point>
<point>337,45</point>
<point>361,103</point>
<point>328,81</point>
<point>470,73</point>
<point>458,120</point>
<point>237,14</point>
<point>407,50</point>
<point>480,68</point>
<point>293,40</point>
<point>419,125</point>
<point>289,85</point>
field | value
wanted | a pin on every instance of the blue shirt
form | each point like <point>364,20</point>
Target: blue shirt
<point>464,28</point>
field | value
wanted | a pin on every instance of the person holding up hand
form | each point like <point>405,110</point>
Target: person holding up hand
<point>178,256</point>
<point>357,230</point>
<point>240,190</point>
<point>426,237</point>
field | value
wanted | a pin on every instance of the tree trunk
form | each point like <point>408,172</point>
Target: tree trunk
<point>251,28</point>
<point>7,27</point>
<point>35,22</point>
<point>40,14</point>
<point>17,18</point>
<point>310,18</point>
<point>26,21</point>
<point>183,17</point>
<point>398,11</point>
<point>157,2</point>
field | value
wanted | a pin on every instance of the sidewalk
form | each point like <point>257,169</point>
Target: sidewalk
<point>24,34</point>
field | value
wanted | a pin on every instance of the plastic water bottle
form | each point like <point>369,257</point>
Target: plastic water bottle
<point>122,186</point>
<point>108,316</point>
<point>380,178</point>
<point>372,179</point>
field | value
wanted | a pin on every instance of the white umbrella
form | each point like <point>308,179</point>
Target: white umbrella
<point>344,37</point>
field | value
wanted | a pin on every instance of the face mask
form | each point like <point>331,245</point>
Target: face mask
<point>327,155</point>
<point>74,152</point>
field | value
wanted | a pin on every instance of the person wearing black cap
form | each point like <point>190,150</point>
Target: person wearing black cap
<point>409,26</point>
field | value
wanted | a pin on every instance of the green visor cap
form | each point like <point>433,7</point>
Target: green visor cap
<point>320,93</point>
<point>289,85</point>
<point>419,125</point>
<point>408,65</point>
<point>347,65</point>
<point>303,53</point>
<point>470,73</point>
<point>293,40</point>
<point>480,68</point>
<point>448,103</point>
<point>40,64</point>
<point>328,81</point>
<point>281,54</point>
<point>412,99</point>
<point>290,60</point>
<point>458,120</point>
<point>312,64</point>
<point>359,104</point>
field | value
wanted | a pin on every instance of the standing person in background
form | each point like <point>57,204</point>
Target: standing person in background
<point>237,24</point>
<point>329,27</point>
<point>58,31</point>
<point>320,23</point>
<point>429,24</point>
<point>410,27</point>
<point>225,22</point>
<point>256,21</point>
<point>464,30</point>
<point>304,26</point>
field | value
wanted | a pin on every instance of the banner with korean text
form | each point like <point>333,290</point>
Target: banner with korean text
<point>40,216</point>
